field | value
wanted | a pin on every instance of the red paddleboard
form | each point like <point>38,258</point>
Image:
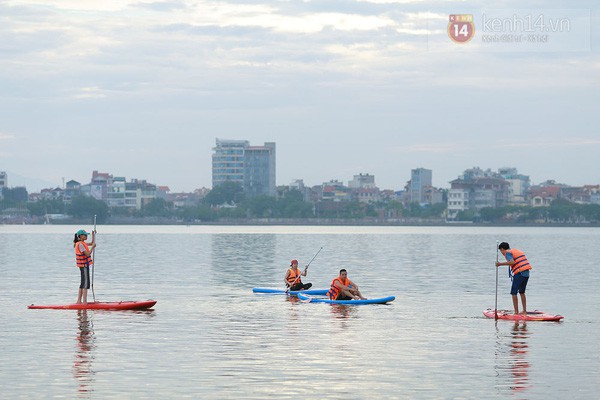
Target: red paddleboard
<point>111,305</point>
<point>531,315</point>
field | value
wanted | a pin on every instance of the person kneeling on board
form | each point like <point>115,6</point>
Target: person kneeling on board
<point>293,279</point>
<point>343,288</point>
<point>519,273</point>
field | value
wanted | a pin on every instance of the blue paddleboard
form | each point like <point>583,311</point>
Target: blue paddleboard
<point>381,300</point>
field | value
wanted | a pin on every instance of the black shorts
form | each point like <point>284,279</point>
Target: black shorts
<point>301,286</point>
<point>343,297</point>
<point>85,277</point>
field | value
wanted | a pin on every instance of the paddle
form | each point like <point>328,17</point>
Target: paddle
<point>496,302</point>
<point>93,263</point>
<point>305,269</point>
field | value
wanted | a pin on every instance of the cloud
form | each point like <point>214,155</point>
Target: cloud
<point>90,93</point>
<point>545,142</point>
<point>6,136</point>
<point>438,148</point>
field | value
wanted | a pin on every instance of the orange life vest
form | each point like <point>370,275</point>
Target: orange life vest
<point>521,263</point>
<point>80,257</point>
<point>293,275</point>
<point>334,291</point>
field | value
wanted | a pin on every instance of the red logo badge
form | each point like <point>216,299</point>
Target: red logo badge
<point>461,28</point>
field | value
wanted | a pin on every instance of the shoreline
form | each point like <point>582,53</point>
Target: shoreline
<point>291,222</point>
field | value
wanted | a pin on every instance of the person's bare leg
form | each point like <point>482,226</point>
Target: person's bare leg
<point>524,303</point>
<point>515,303</point>
<point>84,296</point>
<point>79,294</point>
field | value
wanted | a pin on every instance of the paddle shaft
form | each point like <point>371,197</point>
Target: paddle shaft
<point>496,302</point>
<point>93,256</point>
<point>305,269</point>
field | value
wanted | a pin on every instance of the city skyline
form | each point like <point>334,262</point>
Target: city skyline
<point>374,86</point>
<point>350,183</point>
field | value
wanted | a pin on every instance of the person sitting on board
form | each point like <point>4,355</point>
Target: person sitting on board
<point>518,271</point>
<point>343,288</point>
<point>293,279</point>
<point>83,257</point>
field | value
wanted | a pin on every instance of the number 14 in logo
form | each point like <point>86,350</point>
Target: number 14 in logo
<point>461,28</point>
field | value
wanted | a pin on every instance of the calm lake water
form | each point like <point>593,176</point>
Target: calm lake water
<point>210,337</point>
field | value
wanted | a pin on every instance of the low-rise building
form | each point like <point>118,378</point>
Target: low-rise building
<point>476,189</point>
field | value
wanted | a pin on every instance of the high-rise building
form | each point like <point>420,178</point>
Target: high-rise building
<point>416,188</point>
<point>228,161</point>
<point>253,167</point>
<point>519,185</point>
<point>362,181</point>
<point>3,181</point>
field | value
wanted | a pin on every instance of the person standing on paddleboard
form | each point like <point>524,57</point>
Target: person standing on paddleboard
<point>293,280</point>
<point>518,271</point>
<point>83,257</point>
<point>343,288</point>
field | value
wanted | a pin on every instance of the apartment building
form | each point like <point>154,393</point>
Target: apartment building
<point>253,167</point>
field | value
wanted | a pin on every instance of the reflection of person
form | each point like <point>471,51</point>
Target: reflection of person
<point>520,366</point>
<point>519,271</point>
<point>83,256</point>
<point>343,288</point>
<point>293,278</point>
<point>82,367</point>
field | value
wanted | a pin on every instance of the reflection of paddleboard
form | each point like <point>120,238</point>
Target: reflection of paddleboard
<point>381,300</point>
<point>314,292</point>
<point>111,305</point>
<point>531,315</point>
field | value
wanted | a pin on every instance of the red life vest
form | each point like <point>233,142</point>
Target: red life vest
<point>334,291</point>
<point>521,263</point>
<point>292,277</point>
<point>80,257</point>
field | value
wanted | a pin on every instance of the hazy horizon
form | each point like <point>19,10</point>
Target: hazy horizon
<point>141,89</point>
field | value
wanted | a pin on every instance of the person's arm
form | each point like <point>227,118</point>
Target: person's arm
<point>305,271</point>
<point>84,251</point>
<point>285,278</point>
<point>509,260</point>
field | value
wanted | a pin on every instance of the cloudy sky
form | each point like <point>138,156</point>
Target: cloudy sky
<point>142,89</point>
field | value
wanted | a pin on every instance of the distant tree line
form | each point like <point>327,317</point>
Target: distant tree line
<point>227,201</point>
<point>560,211</point>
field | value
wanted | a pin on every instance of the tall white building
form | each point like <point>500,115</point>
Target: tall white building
<point>3,181</point>
<point>420,179</point>
<point>519,185</point>
<point>362,181</point>
<point>253,167</point>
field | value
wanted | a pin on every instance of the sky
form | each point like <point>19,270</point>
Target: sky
<point>142,89</point>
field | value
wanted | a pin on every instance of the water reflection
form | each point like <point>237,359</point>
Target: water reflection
<point>242,259</point>
<point>342,311</point>
<point>82,367</point>
<point>512,361</point>
<point>518,352</point>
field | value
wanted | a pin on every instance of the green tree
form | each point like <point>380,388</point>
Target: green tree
<point>292,205</point>
<point>561,210</point>
<point>87,207</point>
<point>261,206</point>
<point>15,196</point>
<point>492,214</point>
<point>466,215</point>
<point>226,193</point>
<point>43,207</point>
<point>157,208</point>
